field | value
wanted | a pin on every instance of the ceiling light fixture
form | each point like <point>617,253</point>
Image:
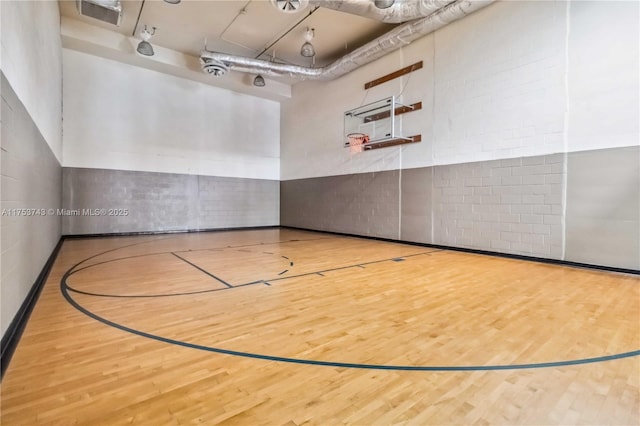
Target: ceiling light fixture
<point>172,1</point>
<point>307,50</point>
<point>259,81</point>
<point>144,47</point>
<point>381,4</point>
<point>289,6</point>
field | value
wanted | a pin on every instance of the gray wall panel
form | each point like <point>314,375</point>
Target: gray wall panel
<point>159,202</point>
<point>508,206</point>
<point>362,204</point>
<point>416,205</point>
<point>225,202</point>
<point>31,179</point>
<point>603,207</point>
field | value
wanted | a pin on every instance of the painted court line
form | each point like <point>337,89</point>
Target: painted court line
<point>64,288</point>
<point>203,270</point>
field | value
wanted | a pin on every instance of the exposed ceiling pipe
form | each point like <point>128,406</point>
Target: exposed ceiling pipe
<point>387,43</point>
<point>399,11</point>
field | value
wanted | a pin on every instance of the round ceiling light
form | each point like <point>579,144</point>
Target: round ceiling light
<point>259,81</point>
<point>382,4</point>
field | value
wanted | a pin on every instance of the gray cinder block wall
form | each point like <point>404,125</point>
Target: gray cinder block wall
<point>31,179</point>
<point>511,206</point>
<point>132,201</point>
<point>582,207</point>
<point>363,204</point>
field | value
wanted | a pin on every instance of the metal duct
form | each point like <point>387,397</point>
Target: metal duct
<point>400,11</point>
<point>387,43</point>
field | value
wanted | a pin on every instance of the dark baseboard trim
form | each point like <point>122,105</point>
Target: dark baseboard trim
<point>483,252</point>
<point>181,231</point>
<point>12,336</point>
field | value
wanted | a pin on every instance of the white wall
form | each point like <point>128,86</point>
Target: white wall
<point>500,83</point>
<point>118,116</point>
<point>603,77</point>
<point>313,121</point>
<point>493,86</point>
<point>32,63</point>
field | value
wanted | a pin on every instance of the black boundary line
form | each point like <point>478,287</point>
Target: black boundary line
<point>203,270</point>
<point>105,321</point>
<point>67,296</point>
<point>477,251</point>
<point>14,332</point>
<point>326,363</point>
<point>179,251</point>
<point>182,251</point>
<point>76,269</point>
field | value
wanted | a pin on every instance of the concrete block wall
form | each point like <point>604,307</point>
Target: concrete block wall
<point>513,206</point>
<point>31,179</point>
<point>582,207</point>
<point>157,202</point>
<point>363,204</point>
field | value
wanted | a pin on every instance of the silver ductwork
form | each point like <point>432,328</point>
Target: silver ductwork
<point>383,45</point>
<point>399,11</point>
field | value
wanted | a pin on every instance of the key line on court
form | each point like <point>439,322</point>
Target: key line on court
<point>114,249</point>
<point>359,265</point>
<point>203,270</point>
<point>171,252</point>
<point>263,281</point>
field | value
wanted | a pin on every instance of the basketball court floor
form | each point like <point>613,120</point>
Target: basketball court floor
<point>289,327</point>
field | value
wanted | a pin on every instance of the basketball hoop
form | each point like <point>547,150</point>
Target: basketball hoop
<point>357,141</point>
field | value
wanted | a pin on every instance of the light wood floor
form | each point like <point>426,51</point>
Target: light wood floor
<point>154,328</point>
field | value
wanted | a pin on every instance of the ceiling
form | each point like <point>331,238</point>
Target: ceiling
<point>250,28</point>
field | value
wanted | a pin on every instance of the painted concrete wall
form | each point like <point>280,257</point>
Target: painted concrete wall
<point>31,179</point>
<point>515,79</point>
<point>177,154</point>
<point>603,87</point>
<point>32,63</point>
<point>516,106</point>
<point>492,87</point>
<point>122,117</point>
<point>156,202</point>
<point>363,204</point>
<point>603,207</point>
<point>31,139</point>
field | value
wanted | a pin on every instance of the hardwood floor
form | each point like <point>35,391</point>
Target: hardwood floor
<point>284,327</point>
